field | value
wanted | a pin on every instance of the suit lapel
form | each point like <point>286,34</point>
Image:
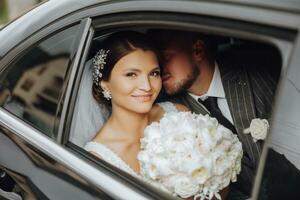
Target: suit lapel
<point>239,96</point>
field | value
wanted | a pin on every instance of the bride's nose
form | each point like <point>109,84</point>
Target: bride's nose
<point>145,84</point>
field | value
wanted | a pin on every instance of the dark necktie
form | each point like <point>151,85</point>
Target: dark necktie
<point>212,106</point>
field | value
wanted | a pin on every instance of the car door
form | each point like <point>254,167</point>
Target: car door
<point>32,94</point>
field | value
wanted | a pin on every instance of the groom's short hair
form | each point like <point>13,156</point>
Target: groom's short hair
<point>167,38</point>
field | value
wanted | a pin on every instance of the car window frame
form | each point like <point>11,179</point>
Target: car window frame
<point>70,58</point>
<point>282,38</point>
<point>34,40</point>
<point>66,94</point>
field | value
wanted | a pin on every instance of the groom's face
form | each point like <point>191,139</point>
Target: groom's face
<point>179,70</point>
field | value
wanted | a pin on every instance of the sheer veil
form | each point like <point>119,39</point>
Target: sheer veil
<point>88,115</point>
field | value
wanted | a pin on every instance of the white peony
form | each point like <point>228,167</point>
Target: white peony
<point>258,129</point>
<point>185,187</point>
<point>190,155</point>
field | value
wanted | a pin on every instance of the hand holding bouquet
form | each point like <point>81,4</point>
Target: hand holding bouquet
<point>190,155</point>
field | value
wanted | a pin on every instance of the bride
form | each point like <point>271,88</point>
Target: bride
<point>130,82</point>
<point>127,77</point>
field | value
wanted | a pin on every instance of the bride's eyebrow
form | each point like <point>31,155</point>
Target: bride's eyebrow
<point>132,70</point>
<point>138,70</point>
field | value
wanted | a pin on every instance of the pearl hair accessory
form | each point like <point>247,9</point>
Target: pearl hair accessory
<point>99,62</point>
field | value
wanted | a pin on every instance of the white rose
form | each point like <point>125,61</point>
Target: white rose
<point>208,140</point>
<point>163,166</point>
<point>258,129</point>
<point>152,132</point>
<point>190,163</point>
<point>186,188</point>
<point>200,144</point>
<point>201,174</point>
<point>187,125</point>
<point>225,132</point>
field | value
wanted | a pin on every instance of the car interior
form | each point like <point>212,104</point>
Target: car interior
<point>240,50</point>
<point>252,52</point>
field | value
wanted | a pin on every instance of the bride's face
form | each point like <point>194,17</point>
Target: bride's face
<point>135,81</point>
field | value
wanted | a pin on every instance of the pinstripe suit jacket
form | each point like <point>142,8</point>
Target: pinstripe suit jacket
<point>249,92</point>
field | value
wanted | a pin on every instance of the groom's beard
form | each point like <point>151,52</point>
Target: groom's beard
<point>183,84</point>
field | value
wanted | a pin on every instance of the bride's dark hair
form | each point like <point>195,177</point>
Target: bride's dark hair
<point>119,44</point>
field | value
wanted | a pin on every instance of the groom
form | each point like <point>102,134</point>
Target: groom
<point>232,90</point>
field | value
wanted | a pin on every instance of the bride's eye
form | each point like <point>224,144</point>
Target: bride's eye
<point>155,73</point>
<point>131,74</point>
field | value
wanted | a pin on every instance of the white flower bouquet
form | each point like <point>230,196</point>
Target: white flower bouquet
<point>190,155</point>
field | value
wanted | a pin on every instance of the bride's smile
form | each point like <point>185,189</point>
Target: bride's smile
<point>143,98</point>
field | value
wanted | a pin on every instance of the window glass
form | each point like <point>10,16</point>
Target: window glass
<point>281,174</point>
<point>31,87</point>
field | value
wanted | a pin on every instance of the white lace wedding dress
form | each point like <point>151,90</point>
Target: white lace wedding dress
<point>109,156</point>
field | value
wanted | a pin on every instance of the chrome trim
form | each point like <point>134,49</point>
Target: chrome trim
<point>86,23</point>
<point>76,83</point>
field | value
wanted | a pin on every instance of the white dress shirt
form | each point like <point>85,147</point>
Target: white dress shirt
<point>216,90</point>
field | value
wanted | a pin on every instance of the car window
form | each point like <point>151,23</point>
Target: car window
<point>281,171</point>
<point>231,53</point>
<point>31,87</point>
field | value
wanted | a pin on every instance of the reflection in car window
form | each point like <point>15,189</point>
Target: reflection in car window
<point>31,87</point>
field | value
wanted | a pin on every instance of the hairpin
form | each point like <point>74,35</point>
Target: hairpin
<point>99,62</point>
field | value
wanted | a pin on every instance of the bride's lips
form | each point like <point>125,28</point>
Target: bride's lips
<point>143,98</point>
